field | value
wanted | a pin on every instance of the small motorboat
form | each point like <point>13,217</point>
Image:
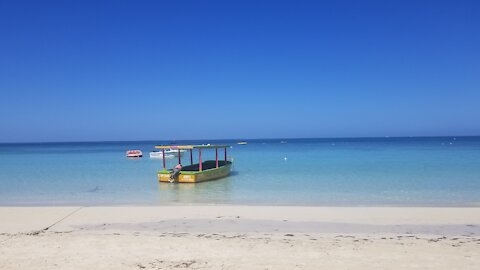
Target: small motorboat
<point>169,151</point>
<point>174,152</point>
<point>134,154</point>
<point>242,143</point>
<point>159,154</point>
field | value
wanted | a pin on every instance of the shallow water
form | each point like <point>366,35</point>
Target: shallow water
<point>379,171</point>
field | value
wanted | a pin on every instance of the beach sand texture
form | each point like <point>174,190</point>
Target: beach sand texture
<point>239,237</point>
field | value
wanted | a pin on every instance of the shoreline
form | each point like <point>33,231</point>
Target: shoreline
<point>182,204</point>
<point>239,237</point>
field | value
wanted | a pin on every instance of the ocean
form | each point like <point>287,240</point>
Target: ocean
<point>423,171</point>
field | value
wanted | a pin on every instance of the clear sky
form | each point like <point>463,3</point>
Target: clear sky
<point>140,70</point>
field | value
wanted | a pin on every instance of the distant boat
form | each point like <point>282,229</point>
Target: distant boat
<point>175,152</point>
<point>134,153</point>
<point>283,142</point>
<point>242,143</point>
<point>169,153</point>
<point>159,154</point>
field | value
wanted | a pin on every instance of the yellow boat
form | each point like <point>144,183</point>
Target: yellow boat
<point>198,172</point>
<point>242,143</point>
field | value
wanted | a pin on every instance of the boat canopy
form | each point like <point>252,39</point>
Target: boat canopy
<point>190,148</point>
<point>187,147</point>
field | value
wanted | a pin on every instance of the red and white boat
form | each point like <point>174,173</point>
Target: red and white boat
<point>134,153</point>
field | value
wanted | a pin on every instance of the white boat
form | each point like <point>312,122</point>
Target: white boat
<point>174,152</point>
<point>158,154</point>
<point>169,153</point>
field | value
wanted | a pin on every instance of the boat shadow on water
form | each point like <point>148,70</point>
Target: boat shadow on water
<point>233,173</point>
<point>214,191</point>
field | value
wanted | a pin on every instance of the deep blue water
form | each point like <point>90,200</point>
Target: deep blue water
<point>440,171</point>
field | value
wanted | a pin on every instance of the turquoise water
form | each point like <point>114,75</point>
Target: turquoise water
<point>383,171</point>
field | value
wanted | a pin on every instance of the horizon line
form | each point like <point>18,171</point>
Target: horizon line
<point>249,139</point>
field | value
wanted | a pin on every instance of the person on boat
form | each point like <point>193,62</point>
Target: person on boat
<point>176,172</point>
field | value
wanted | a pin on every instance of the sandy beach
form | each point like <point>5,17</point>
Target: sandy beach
<point>239,237</point>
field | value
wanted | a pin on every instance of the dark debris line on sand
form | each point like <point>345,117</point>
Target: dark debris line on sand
<point>44,230</point>
<point>161,264</point>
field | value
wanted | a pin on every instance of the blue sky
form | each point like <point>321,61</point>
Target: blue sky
<point>141,70</point>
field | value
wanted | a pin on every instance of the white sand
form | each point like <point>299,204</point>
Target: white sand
<point>239,237</point>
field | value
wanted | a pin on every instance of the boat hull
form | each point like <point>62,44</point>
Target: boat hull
<point>134,154</point>
<point>196,176</point>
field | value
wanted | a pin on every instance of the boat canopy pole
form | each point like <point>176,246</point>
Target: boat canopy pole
<point>216,157</point>
<point>163,158</point>
<point>199,159</point>
<point>179,157</point>
<point>225,154</point>
<point>191,156</point>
